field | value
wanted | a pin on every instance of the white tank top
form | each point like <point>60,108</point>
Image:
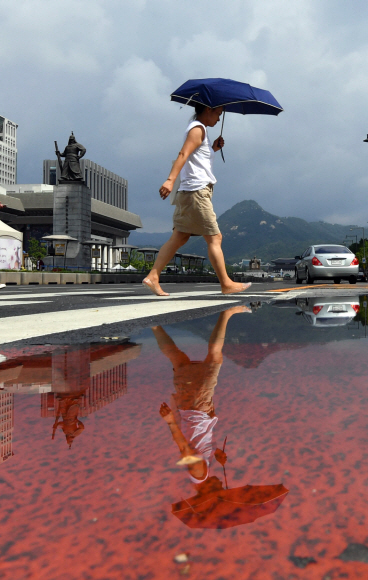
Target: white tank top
<point>197,171</point>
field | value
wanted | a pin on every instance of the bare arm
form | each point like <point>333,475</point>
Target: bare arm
<point>168,416</point>
<point>199,468</point>
<point>192,142</point>
<point>168,347</point>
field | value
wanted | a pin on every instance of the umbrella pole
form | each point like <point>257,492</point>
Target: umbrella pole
<point>223,447</point>
<point>222,126</point>
<point>223,467</point>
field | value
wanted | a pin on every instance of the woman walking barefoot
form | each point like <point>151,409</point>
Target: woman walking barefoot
<point>194,213</point>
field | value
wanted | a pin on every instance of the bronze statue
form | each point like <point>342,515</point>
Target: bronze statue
<point>73,152</point>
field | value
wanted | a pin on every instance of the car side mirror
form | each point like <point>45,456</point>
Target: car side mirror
<point>297,257</point>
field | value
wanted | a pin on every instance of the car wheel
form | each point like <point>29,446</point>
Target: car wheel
<point>297,279</point>
<point>308,279</point>
<point>352,280</point>
<point>337,281</point>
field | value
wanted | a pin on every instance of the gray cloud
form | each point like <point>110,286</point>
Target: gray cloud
<point>105,68</point>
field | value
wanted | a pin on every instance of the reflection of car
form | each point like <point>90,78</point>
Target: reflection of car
<point>326,261</point>
<point>361,276</point>
<point>325,311</point>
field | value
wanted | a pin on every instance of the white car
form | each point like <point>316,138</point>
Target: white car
<point>327,262</point>
<point>328,311</point>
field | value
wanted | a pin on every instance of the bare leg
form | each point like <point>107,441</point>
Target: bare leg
<point>216,258</point>
<point>166,253</point>
<point>217,338</point>
<point>168,347</point>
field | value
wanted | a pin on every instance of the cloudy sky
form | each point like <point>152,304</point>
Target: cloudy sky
<point>105,69</point>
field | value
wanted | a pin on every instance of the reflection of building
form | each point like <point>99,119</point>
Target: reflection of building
<point>8,151</point>
<point>73,381</point>
<point>104,388</point>
<point>6,425</point>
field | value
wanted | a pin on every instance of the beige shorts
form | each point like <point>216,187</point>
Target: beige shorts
<point>194,212</point>
<point>195,386</point>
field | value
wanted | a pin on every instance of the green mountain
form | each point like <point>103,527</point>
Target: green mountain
<point>248,230</point>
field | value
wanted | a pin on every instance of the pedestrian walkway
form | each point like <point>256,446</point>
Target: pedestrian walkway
<point>40,313</point>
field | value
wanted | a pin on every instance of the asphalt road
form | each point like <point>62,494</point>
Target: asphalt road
<point>78,314</point>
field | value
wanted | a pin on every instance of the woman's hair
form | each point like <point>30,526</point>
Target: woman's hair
<point>199,108</point>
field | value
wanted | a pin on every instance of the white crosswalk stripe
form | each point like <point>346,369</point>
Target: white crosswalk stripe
<point>66,293</point>
<point>41,324</point>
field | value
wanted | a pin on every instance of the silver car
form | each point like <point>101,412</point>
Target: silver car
<point>326,262</point>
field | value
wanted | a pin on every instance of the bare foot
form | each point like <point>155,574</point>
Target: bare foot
<point>236,287</point>
<point>154,287</point>
<point>238,310</point>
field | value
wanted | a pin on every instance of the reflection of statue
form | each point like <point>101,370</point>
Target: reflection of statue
<point>73,152</point>
<point>68,408</point>
<point>193,417</point>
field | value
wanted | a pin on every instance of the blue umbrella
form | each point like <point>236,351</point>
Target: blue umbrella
<point>233,96</point>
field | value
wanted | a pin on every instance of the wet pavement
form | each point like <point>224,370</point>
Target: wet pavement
<point>223,441</point>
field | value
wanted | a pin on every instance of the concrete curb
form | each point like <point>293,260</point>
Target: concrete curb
<point>45,278</point>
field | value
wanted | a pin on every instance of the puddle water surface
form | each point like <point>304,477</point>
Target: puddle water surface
<point>232,446</point>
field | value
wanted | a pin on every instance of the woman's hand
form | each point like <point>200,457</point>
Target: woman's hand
<point>166,188</point>
<point>218,144</point>
<point>167,414</point>
<point>221,456</point>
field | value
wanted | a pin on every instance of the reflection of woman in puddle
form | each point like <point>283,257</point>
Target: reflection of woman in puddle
<point>68,408</point>
<point>193,423</point>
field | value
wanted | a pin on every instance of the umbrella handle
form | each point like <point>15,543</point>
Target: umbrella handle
<point>222,127</point>
<point>223,467</point>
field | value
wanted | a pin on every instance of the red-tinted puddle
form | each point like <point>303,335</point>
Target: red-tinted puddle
<point>90,482</point>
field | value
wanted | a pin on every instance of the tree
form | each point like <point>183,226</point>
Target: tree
<point>35,250</point>
<point>136,260</point>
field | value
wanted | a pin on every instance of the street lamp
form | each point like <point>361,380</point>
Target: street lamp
<point>351,237</point>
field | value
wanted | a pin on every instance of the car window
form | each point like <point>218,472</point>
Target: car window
<point>306,253</point>
<point>332,250</point>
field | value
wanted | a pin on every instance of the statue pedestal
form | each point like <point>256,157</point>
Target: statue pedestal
<point>72,217</point>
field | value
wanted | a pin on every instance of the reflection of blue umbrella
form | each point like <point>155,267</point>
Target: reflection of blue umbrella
<point>233,96</point>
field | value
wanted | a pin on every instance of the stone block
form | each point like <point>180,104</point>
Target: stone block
<point>83,278</point>
<point>50,278</point>
<point>10,277</point>
<point>68,278</point>
<point>31,278</point>
<point>96,278</point>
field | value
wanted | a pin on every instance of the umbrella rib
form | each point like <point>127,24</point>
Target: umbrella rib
<point>232,102</point>
<point>191,507</point>
<point>258,503</point>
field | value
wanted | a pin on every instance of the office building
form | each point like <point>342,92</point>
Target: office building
<point>8,151</point>
<point>105,185</point>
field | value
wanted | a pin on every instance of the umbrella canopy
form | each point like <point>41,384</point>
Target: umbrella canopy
<point>226,508</point>
<point>233,96</point>
<point>118,267</point>
<point>130,267</point>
